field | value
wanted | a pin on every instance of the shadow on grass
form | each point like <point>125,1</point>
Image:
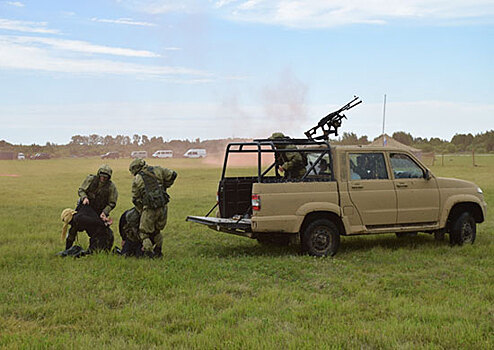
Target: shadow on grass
<point>347,245</point>
<point>388,241</point>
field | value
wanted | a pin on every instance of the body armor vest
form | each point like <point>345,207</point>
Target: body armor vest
<point>98,198</point>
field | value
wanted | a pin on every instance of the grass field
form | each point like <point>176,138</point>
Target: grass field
<point>214,290</point>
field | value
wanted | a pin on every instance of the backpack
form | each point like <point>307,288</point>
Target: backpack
<point>154,195</point>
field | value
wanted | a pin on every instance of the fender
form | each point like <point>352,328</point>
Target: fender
<point>451,201</point>
<point>311,207</point>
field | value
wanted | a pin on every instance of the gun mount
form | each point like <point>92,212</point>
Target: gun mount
<point>330,123</point>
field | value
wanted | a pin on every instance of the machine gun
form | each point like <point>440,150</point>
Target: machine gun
<point>330,123</point>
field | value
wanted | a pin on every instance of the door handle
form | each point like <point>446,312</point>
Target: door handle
<point>401,184</point>
<point>357,186</point>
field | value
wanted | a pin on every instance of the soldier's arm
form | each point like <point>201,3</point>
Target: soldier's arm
<point>85,186</point>
<point>112,199</point>
<point>137,189</point>
<point>169,177</point>
<point>291,160</point>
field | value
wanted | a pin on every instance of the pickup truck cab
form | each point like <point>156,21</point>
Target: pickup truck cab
<point>346,190</point>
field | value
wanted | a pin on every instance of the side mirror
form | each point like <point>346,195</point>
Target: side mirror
<point>427,175</point>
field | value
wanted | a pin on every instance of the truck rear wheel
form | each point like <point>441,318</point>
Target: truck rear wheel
<point>321,238</point>
<point>463,229</point>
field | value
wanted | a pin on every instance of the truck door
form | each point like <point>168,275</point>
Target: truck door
<point>371,189</point>
<point>418,197</point>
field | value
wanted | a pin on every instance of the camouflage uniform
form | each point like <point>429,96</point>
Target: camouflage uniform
<point>102,198</point>
<point>153,211</point>
<point>292,162</point>
<point>102,195</point>
<point>129,231</point>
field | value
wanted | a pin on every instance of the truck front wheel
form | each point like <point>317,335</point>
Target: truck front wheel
<point>321,238</point>
<point>463,229</point>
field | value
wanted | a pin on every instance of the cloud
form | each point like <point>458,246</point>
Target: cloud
<point>22,55</point>
<point>15,3</point>
<point>326,13</point>
<point>127,21</point>
<point>78,46</point>
<point>26,26</point>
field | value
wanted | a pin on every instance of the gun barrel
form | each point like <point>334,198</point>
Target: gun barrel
<point>330,123</point>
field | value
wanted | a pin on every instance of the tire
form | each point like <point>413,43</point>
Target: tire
<point>463,229</point>
<point>321,238</point>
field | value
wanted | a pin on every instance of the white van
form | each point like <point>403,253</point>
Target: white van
<point>21,156</point>
<point>195,153</point>
<point>139,154</point>
<point>164,153</point>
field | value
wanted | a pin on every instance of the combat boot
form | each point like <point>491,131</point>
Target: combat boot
<point>158,254</point>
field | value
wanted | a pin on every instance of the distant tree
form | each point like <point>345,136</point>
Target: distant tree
<point>403,137</point>
<point>462,141</point>
<point>363,140</point>
<point>136,139</point>
<point>108,140</point>
<point>144,140</point>
<point>349,138</point>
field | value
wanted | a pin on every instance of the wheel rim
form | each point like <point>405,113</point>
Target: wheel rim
<point>321,239</point>
<point>467,232</point>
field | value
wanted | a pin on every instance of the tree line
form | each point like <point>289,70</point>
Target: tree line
<point>94,145</point>
<point>482,143</point>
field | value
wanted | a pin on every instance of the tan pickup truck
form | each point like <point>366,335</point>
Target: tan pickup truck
<point>346,190</point>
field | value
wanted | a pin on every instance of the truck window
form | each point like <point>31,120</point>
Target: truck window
<point>367,166</point>
<point>404,167</point>
<point>322,168</point>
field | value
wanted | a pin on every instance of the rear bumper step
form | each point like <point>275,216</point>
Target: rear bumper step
<point>240,227</point>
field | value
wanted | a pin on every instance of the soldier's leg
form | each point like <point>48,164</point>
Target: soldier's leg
<point>72,235</point>
<point>146,230</point>
<point>161,218</point>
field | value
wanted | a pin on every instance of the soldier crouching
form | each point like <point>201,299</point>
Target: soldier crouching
<point>150,199</point>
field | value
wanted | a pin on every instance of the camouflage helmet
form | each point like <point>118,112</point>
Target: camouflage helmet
<point>105,170</point>
<point>277,136</point>
<point>136,165</point>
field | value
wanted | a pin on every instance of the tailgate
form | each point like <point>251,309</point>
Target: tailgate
<point>241,227</point>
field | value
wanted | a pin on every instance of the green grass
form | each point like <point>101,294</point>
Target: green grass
<point>214,290</point>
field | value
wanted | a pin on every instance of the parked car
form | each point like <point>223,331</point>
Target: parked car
<point>21,156</point>
<point>163,154</point>
<point>41,156</point>
<point>195,153</point>
<point>346,191</point>
<point>139,154</point>
<point>110,155</point>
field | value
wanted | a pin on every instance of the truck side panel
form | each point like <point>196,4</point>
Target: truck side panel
<point>284,205</point>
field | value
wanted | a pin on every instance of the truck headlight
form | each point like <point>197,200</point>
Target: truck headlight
<point>479,190</point>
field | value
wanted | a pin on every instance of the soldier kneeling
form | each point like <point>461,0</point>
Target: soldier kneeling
<point>128,227</point>
<point>86,219</point>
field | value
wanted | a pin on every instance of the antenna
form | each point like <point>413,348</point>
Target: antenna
<point>384,120</point>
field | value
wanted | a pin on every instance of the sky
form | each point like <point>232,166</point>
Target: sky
<point>243,68</point>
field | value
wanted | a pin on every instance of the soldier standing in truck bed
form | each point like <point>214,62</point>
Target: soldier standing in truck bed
<point>291,163</point>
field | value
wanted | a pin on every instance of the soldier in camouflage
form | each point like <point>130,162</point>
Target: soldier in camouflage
<point>129,231</point>
<point>291,163</point>
<point>99,193</point>
<point>150,199</point>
